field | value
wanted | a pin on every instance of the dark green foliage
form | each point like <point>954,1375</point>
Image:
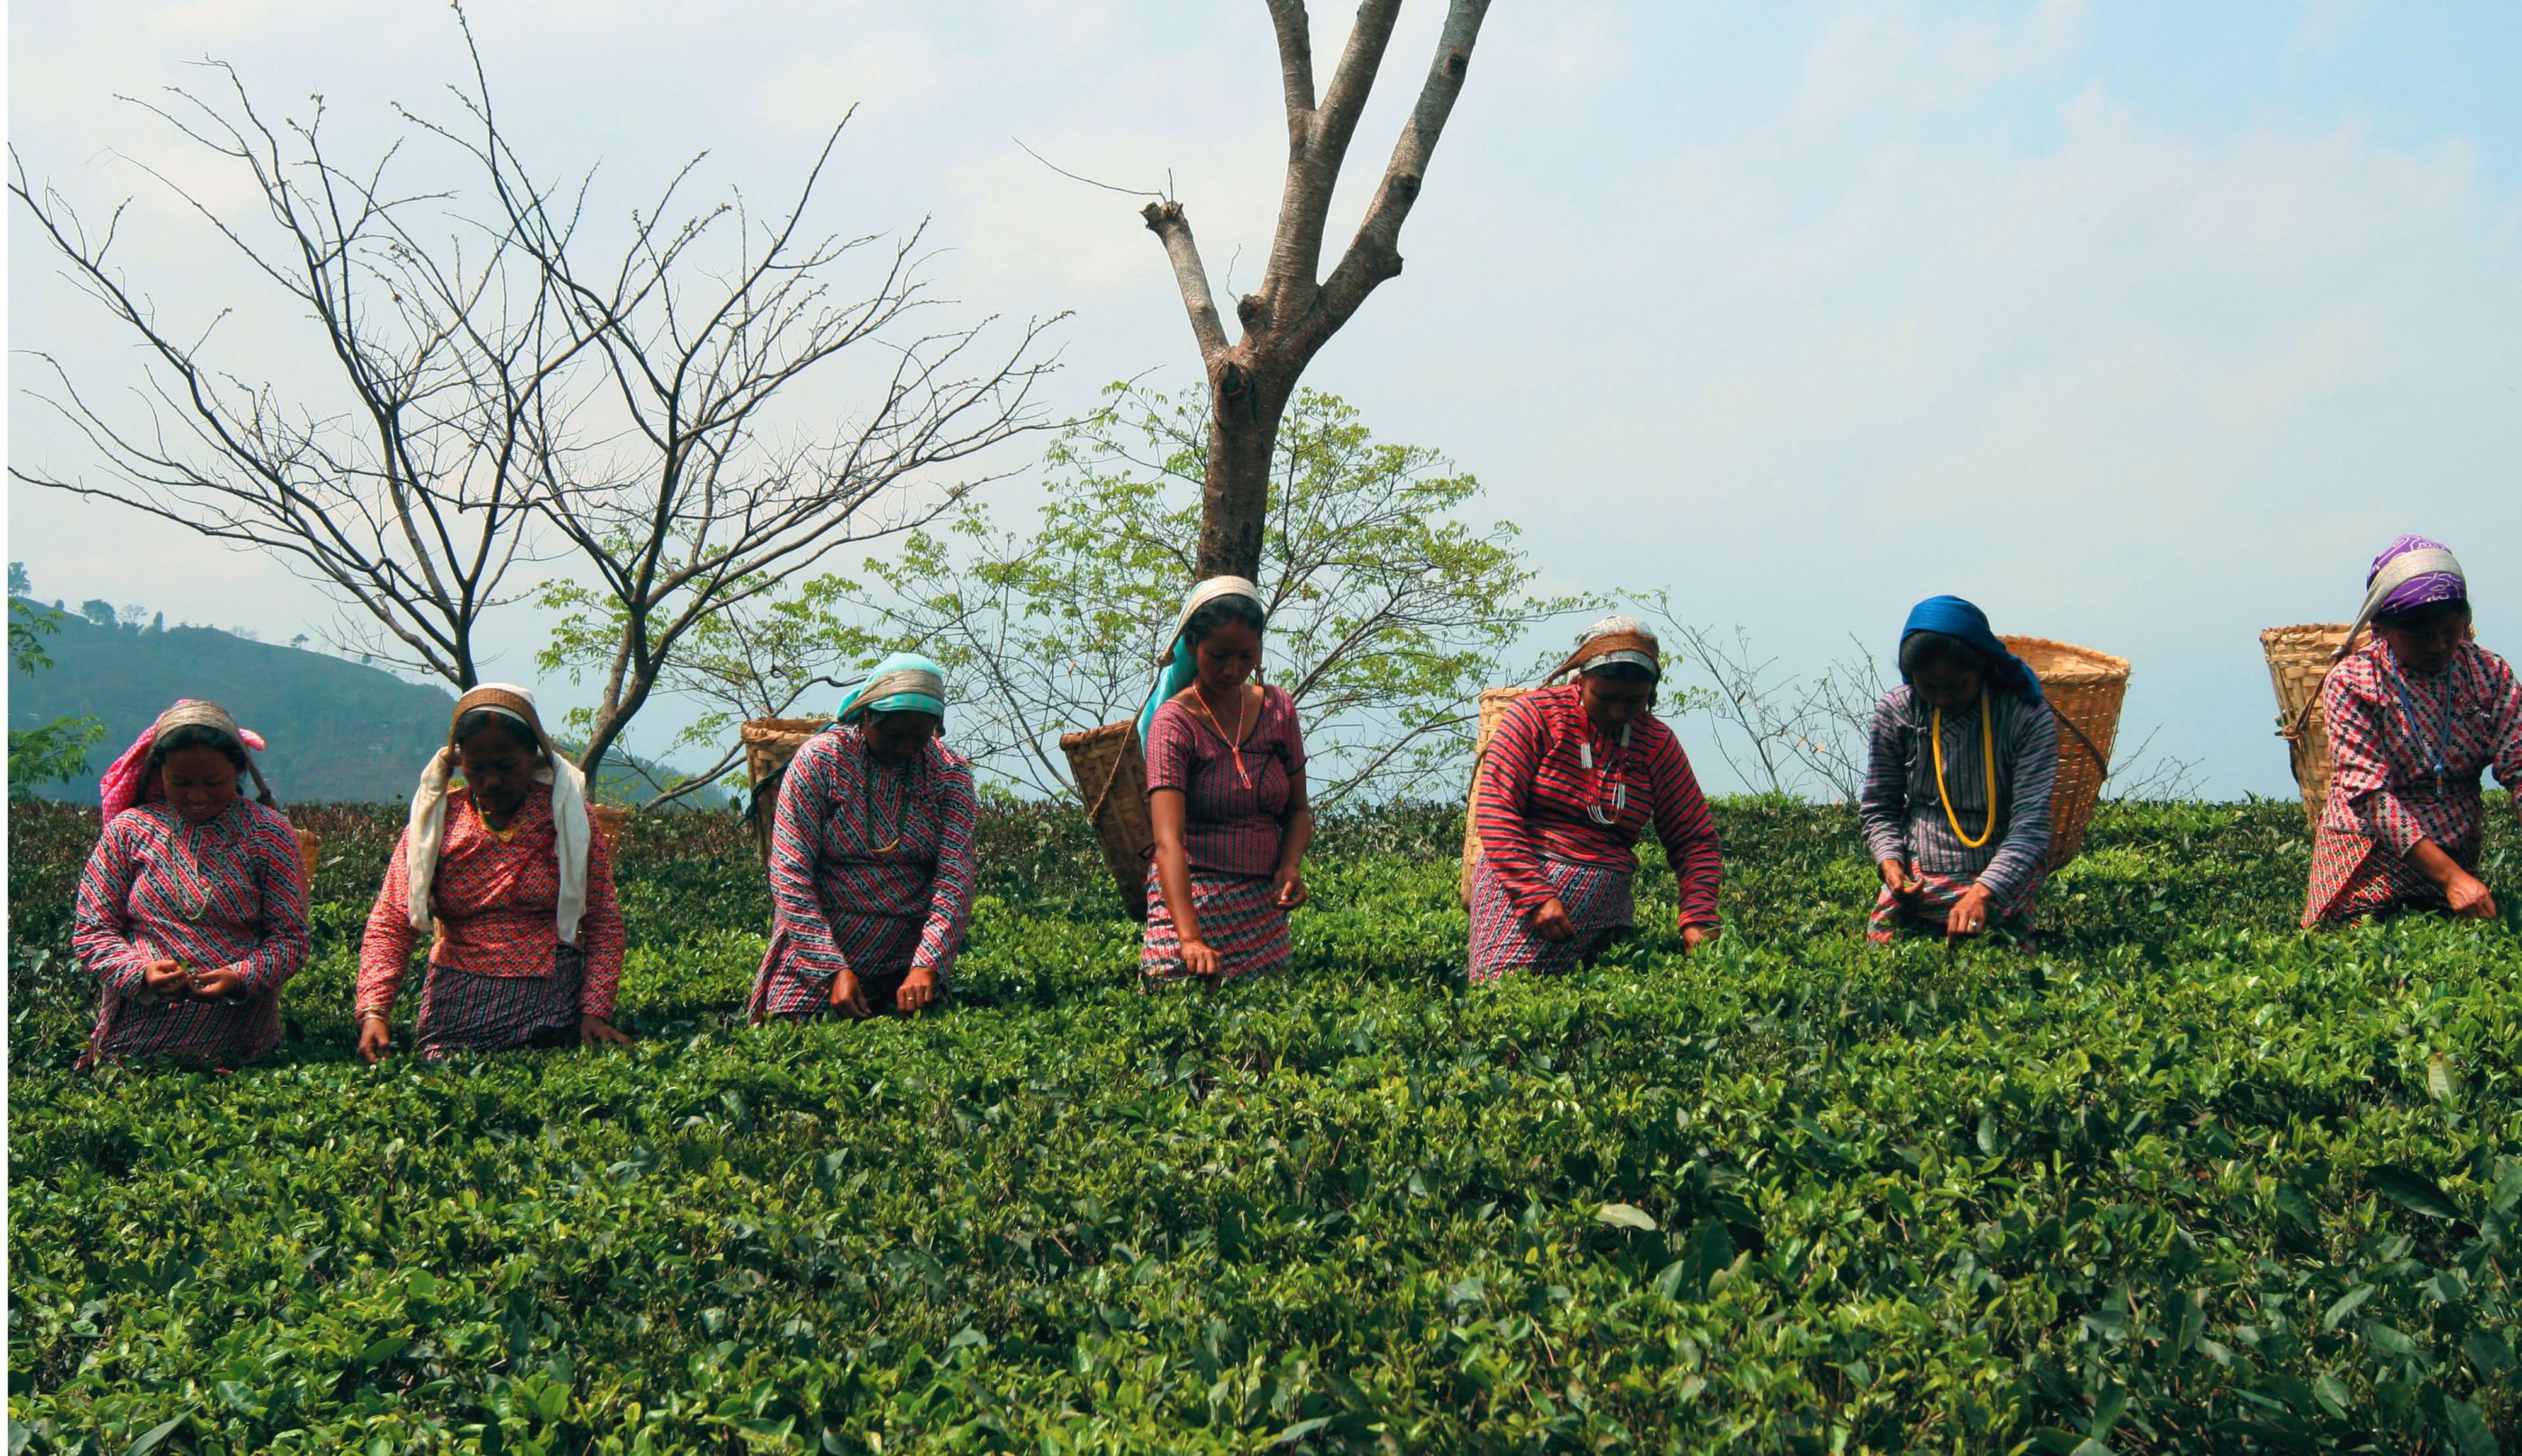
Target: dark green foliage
<point>340,731</point>
<point>43,752</point>
<point>2189,1180</point>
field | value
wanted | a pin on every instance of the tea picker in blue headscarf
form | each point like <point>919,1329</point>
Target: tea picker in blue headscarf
<point>870,855</point>
<point>1963,760</point>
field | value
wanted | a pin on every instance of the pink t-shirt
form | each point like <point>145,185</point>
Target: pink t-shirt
<point>1233,816</point>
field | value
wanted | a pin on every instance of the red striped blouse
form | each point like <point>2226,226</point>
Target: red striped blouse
<point>1535,791</point>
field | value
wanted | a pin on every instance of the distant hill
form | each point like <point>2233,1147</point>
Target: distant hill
<point>340,731</point>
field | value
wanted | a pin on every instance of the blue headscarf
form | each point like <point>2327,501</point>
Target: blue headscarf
<point>905,682</point>
<point>1175,669</point>
<point>1955,617</point>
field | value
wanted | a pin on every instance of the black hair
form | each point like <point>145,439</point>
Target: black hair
<point>484,718</point>
<point>1621,671</point>
<point>1920,651</point>
<point>2419,618</point>
<point>1217,614</point>
<point>197,736</point>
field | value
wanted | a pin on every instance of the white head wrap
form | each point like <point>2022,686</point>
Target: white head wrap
<point>572,830</point>
<point>1628,627</point>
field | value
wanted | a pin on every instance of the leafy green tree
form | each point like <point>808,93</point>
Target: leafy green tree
<point>773,656</point>
<point>57,751</point>
<point>98,610</point>
<point>1389,610</point>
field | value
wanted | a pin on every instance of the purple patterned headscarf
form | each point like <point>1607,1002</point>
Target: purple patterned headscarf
<point>2417,591</point>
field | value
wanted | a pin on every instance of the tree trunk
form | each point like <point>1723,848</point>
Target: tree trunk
<point>611,717</point>
<point>1296,311</point>
<point>1245,410</point>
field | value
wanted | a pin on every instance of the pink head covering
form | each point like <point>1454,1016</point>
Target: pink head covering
<point>122,787</point>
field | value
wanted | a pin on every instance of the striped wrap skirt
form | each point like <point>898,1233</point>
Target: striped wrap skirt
<point>1600,901</point>
<point>221,1035</point>
<point>461,1012</point>
<point>1924,913</point>
<point>877,947</point>
<point>2353,877</point>
<point>1238,918</point>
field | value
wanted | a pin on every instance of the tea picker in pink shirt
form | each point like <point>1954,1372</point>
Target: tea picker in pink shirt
<point>1225,795</point>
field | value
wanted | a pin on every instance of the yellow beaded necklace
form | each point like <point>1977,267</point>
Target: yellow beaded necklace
<point>1987,758</point>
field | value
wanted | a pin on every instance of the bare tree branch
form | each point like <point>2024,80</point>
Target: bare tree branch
<point>1374,254</point>
<point>1166,220</point>
<point>1315,149</point>
<point>1295,63</point>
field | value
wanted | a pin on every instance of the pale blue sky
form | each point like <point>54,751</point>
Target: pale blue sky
<point>2145,325</point>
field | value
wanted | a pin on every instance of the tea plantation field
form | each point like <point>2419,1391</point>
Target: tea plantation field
<point>2188,1180</point>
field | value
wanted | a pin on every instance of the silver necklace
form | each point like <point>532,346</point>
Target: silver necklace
<point>1619,782</point>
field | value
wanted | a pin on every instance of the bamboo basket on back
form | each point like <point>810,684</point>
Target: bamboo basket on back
<point>1494,701</point>
<point>1110,771</point>
<point>309,846</point>
<point>769,744</point>
<point>2299,661</point>
<point>2085,689</point>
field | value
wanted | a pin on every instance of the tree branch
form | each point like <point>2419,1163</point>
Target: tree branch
<point>1295,63</point>
<point>1165,219</point>
<point>1315,149</point>
<point>1374,254</point>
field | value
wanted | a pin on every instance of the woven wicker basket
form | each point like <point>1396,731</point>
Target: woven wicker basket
<point>2299,659</point>
<point>1110,772</point>
<point>1494,701</point>
<point>2087,688</point>
<point>769,744</point>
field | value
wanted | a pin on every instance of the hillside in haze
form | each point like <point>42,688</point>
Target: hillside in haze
<point>340,731</point>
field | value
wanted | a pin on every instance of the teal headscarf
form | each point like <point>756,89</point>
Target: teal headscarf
<point>905,682</point>
<point>1175,669</point>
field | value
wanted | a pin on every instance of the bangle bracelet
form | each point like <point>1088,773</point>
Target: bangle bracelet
<point>372,1015</point>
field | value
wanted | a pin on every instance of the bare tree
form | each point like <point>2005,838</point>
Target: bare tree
<point>406,493</point>
<point>1297,310</point>
<point>700,505</point>
<point>507,391</point>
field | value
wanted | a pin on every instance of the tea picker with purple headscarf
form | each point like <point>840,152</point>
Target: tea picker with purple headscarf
<point>2415,714</point>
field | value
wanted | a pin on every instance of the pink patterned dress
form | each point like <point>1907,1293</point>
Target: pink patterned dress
<point>2405,753</point>
<point>1234,807</point>
<point>870,872</point>
<point>231,893</point>
<point>498,974</point>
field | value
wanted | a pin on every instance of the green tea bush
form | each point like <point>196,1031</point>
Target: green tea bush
<point>2187,1179</point>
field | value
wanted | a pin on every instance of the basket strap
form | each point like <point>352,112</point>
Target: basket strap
<point>2100,762</point>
